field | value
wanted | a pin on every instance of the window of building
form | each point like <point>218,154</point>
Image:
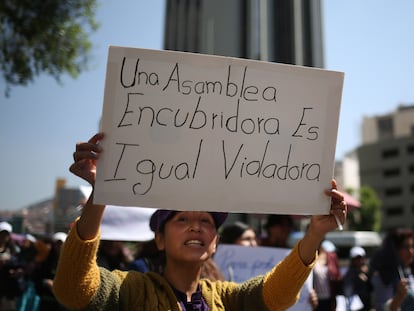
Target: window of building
<point>391,172</point>
<point>412,188</point>
<point>390,153</point>
<point>410,149</point>
<point>394,191</point>
<point>411,168</point>
<point>385,127</point>
<point>394,211</point>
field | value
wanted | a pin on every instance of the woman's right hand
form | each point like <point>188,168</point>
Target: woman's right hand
<point>85,157</point>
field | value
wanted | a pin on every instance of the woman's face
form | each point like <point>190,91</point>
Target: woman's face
<point>406,252</point>
<point>248,238</point>
<point>188,236</point>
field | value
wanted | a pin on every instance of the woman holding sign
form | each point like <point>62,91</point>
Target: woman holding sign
<point>188,239</point>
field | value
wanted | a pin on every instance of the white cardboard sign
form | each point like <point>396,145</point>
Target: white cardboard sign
<point>196,132</point>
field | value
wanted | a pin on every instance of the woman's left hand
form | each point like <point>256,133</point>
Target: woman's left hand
<point>323,224</point>
<point>320,225</point>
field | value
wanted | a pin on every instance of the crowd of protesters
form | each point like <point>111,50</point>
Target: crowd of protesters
<point>383,282</point>
<point>27,270</point>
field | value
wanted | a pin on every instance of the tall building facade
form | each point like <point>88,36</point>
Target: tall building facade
<point>283,31</point>
<point>386,160</point>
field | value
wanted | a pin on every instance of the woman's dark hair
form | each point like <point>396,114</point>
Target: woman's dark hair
<point>152,256</point>
<point>232,232</point>
<point>399,236</point>
<point>278,220</point>
<point>386,259</point>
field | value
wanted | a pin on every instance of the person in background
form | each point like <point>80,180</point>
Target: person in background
<point>29,300</point>
<point>188,239</point>
<point>114,255</point>
<point>278,228</point>
<point>28,253</point>
<point>11,272</point>
<point>357,280</point>
<point>392,272</point>
<point>147,258</point>
<point>238,233</point>
<point>326,277</point>
<point>44,273</point>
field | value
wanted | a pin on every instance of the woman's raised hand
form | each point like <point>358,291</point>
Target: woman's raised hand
<point>322,224</point>
<point>85,157</point>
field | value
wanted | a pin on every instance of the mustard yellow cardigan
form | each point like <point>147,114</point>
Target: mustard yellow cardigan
<point>81,285</point>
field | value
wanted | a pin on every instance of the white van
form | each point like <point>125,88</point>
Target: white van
<point>345,240</point>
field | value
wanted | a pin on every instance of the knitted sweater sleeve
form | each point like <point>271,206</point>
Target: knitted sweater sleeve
<point>282,285</point>
<point>77,276</point>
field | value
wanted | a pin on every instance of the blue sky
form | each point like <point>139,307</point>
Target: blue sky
<point>371,41</point>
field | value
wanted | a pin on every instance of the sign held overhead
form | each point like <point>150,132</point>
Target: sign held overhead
<point>198,132</point>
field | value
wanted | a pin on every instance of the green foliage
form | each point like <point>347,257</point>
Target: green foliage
<point>368,216</point>
<point>44,36</point>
